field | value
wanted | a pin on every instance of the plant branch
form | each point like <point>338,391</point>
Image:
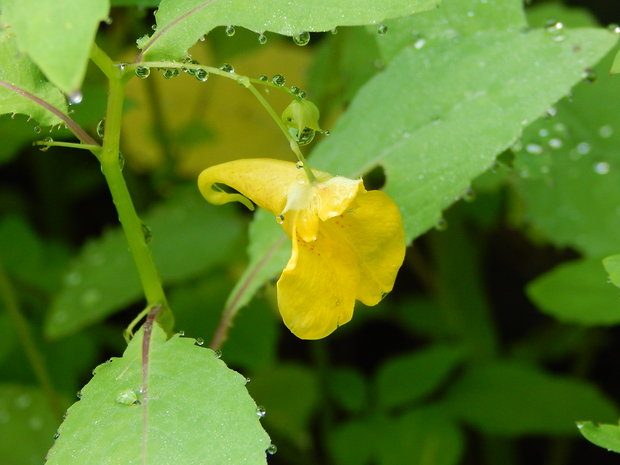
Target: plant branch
<point>22,329</point>
<point>75,128</point>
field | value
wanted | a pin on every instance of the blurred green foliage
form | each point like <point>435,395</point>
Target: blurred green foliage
<point>500,334</point>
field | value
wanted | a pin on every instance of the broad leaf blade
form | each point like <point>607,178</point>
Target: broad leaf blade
<point>23,89</point>
<point>180,23</point>
<point>410,377</point>
<point>612,266</point>
<point>606,436</point>
<point>103,279</point>
<point>57,35</point>
<point>450,108</point>
<point>26,425</point>
<point>510,399</point>
<point>577,292</point>
<point>193,398</point>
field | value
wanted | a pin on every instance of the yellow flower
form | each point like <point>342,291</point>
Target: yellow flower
<point>348,243</point>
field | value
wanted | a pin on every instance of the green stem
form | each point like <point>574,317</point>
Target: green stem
<point>72,145</point>
<point>111,167</point>
<point>248,84</point>
<point>25,336</point>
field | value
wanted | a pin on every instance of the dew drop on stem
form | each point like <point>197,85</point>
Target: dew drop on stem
<point>147,233</point>
<point>201,74</point>
<point>263,78</point>
<point>101,128</point>
<point>227,68</point>
<point>143,72</point>
<point>170,73</point>
<point>278,80</point>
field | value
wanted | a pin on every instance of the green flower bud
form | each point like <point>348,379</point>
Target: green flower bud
<point>301,114</point>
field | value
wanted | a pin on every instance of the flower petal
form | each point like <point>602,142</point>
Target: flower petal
<point>373,230</point>
<point>263,180</point>
<point>336,194</point>
<point>316,291</point>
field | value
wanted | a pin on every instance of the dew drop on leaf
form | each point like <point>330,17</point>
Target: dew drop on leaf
<point>302,38</point>
<point>262,39</point>
<point>382,29</point>
<point>200,341</point>
<point>75,98</point>
<point>272,449</point>
<point>230,31</point>
<point>217,353</point>
<point>101,128</point>
<point>601,167</point>
<point>261,411</point>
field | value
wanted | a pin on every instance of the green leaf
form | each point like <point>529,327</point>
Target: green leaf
<point>348,389</point>
<point>103,280</point>
<point>193,398</point>
<point>473,96</point>
<point>577,292</point>
<point>509,399</point>
<point>606,436</point>
<point>180,23</point>
<point>410,377</point>
<point>57,36</point>
<point>23,89</point>
<point>615,67</point>
<point>612,266</point>
<point>464,17</point>
<point>423,436</point>
<point>26,425</point>
<point>289,393</point>
<point>567,169</point>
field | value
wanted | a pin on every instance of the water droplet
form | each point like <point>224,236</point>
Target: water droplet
<point>143,72</point>
<point>469,195</point>
<point>613,27</point>
<point>217,353</point>
<point>247,380</point>
<point>554,26</point>
<point>382,29</point>
<point>555,143</point>
<point>471,14</point>
<point>75,97</point>
<point>261,411</point>
<point>56,435</point>
<point>605,131</point>
<point>227,68</point>
<point>201,74</point>
<point>306,136</point>
<point>295,90</point>
<point>230,31</point>
<point>262,39</point>
<point>101,128</point>
<point>121,161</point>
<point>263,78</point>
<point>90,297</point>
<point>127,397</point>
<point>334,31</point>
<point>147,233</point>
<point>441,224</point>
<point>45,148</point>
<point>534,149</point>
<point>302,94</point>
<point>154,27</point>
<point>583,148</point>
<point>12,115</point>
<point>280,219</point>
<point>37,129</point>
<point>589,75</point>
<point>601,167</point>
<point>35,423</point>
<point>543,132</point>
<point>550,113</point>
<point>202,38</point>
<point>302,38</point>
<point>181,333</point>
<point>78,394</point>
<point>299,165</point>
<point>200,341</point>
<point>73,279</point>
<point>278,80</point>
<point>272,449</point>
<point>170,73</point>
<point>419,43</point>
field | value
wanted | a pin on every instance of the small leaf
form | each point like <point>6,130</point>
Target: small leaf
<point>606,436</point>
<point>56,35</point>
<point>577,292</point>
<point>192,397</point>
<point>509,399</point>
<point>349,389</point>
<point>424,436</point>
<point>103,280</point>
<point>26,425</point>
<point>23,89</point>
<point>612,265</point>
<point>410,377</point>
<point>180,23</point>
